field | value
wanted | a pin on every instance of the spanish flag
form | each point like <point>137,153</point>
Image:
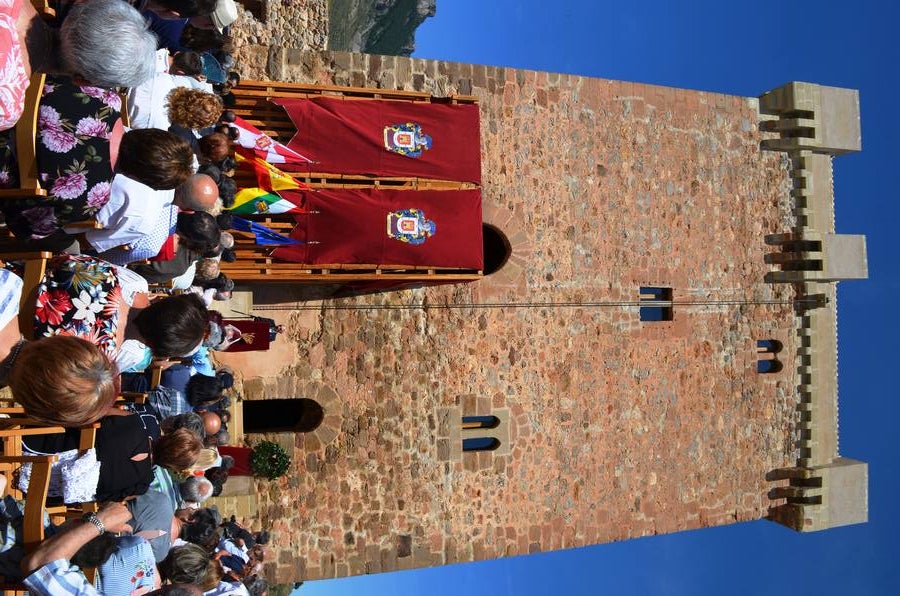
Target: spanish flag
<point>267,176</point>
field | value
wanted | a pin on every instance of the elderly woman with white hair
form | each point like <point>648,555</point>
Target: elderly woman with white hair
<point>103,43</point>
<point>195,490</point>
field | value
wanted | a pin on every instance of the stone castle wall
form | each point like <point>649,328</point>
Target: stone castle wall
<point>617,428</point>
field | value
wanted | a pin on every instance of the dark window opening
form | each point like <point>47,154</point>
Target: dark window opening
<point>282,415</point>
<point>481,444</point>
<point>768,366</point>
<point>480,422</point>
<point>496,248</point>
<point>769,346</point>
<point>767,361</point>
<point>656,304</point>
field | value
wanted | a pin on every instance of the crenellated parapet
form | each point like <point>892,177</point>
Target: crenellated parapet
<point>812,124</point>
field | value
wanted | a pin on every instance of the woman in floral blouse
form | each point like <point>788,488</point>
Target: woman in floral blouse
<point>79,136</point>
<point>108,306</point>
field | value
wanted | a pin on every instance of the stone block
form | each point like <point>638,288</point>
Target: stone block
<point>343,61</point>
<point>839,119</point>
<point>845,493</point>
<point>844,257</point>
<point>404,545</point>
<point>831,113</point>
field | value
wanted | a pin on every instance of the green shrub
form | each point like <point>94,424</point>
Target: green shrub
<point>269,460</point>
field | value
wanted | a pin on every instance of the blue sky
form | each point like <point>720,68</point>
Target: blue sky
<point>745,49</point>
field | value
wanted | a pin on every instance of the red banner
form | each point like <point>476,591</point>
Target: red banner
<point>437,228</point>
<point>388,138</point>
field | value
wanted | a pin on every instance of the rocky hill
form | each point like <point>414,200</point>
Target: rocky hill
<point>376,26</point>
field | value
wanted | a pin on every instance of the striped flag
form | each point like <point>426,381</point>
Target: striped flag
<point>264,146</point>
<point>267,176</point>
<point>258,201</point>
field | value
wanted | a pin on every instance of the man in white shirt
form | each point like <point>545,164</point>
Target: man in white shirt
<point>184,64</point>
<point>135,211</point>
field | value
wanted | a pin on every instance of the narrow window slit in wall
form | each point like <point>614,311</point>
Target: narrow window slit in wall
<point>767,356</point>
<point>656,304</point>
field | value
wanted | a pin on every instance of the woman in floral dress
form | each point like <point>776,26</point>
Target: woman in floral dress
<point>83,151</point>
<point>77,128</point>
<point>82,296</point>
<point>89,298</point>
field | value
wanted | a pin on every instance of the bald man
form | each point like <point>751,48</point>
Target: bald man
<point>198,193</point>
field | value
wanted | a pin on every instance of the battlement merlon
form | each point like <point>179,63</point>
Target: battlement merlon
<point>814,123</point>
<point>815,117</point>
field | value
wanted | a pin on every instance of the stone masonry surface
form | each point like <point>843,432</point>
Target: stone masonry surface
<point>288,23</point>
<point>618,428</point>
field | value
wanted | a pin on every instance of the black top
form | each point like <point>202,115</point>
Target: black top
<point>119,439</point>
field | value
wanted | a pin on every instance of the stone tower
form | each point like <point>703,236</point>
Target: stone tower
<point>657,353</point>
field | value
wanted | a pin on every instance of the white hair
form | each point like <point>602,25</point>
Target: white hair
<point>196,489</point>
<point>107,43</point>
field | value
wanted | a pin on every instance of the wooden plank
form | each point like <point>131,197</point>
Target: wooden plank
<point>32,277</point>
<point>26,137</point>
<point>296,277</point>
<point>24,432</point>
<point>87,436</point>
<point>268,89</point>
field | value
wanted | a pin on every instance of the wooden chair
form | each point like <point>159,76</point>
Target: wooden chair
<point>38,487</point>
<point>157,366</point>
<point>33,515</point>
<point>133,397</point>
<point>45,9</point>
<point>35,268</point>
<point>26,144</point>
<point>18,425</point>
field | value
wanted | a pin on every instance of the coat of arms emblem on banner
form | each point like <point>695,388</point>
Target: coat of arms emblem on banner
<point>410,226</point>
<point>406,139</point>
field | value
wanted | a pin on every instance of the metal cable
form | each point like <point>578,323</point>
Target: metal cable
<point>517,305</point>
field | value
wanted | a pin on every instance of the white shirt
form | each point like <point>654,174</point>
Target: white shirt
<point>149,244</point>
<point>184,281</point>
<point>162,66</point>
<point>10,296</point>
<point>133,209</point>
<point>162,61</point>
<point>147,102</point>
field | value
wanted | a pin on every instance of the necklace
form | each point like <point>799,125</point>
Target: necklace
<point>10,360</point>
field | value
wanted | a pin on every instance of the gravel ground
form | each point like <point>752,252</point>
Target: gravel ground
<point>301,24</point>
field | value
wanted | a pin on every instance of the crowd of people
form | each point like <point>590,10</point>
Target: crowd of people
<point>126,206</point>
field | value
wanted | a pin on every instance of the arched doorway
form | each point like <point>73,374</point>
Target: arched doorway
<point>282,415</point>
<point>496,248</point>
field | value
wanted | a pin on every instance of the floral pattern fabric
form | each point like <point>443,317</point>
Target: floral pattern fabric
<point>80,296</point>
<point>74,126</point>
<point>130,568</point>
<point>9,166</point>
<point>13,78</point>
